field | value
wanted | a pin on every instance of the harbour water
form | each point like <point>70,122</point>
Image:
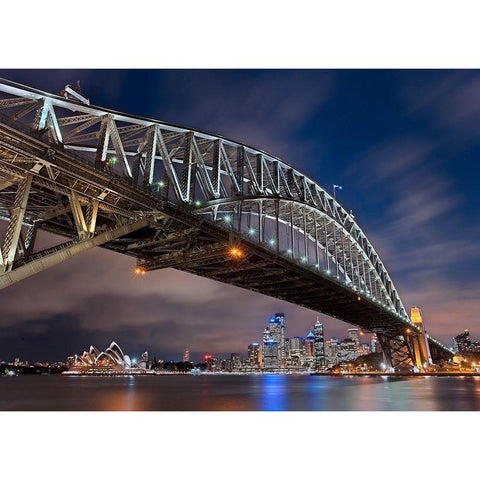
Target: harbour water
<point>239,393</point>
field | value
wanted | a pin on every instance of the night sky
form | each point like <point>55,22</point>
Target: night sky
<point>404,144</point>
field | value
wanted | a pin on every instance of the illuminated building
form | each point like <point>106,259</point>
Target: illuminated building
<point>374,346</point>
<point>254,355</point>
<point>296,351</point>
<point>270,355</point>
<point>348,351</point>
<point>310,347</point>
<point>319,345</point>
<point>110,361</point>
<point>212,363</point>
<point>462,342</point>
<point>186,356</point>
<point>276,326</point>
<point>236,362</point>
<point>352,334</point>
<point>331,352</point>
<point>364,349</point>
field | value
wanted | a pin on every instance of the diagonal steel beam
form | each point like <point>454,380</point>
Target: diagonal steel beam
<point>15,225</point>
<point>39,263</point>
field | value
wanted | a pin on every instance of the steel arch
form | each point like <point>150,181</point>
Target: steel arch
<point>236,188</point>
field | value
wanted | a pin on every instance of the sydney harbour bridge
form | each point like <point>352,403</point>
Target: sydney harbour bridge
<point>174,197</point>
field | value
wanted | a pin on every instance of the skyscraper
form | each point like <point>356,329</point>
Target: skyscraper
<point>236,361</point>
<point>296,349</point>
<point>319,345</point>
<point>186,356</point>
<point>254,352</point>
<point>462,342</point>
<point>310,346</point>
<point>331,352</point>
<point>270,355</point>
<point>353,335</point>
<point>276,327</point>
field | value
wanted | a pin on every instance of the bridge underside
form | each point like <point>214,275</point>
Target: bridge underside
<point>44,187</point>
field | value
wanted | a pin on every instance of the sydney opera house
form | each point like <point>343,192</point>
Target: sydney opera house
<point>111,361</point>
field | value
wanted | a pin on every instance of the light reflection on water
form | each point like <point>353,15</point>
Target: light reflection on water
<point>240,392</point>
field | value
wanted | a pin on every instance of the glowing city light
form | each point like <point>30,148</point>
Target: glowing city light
<point>251,231</point>
<point>227,218</point>
<point>198,203</point>
<point>140,271</point>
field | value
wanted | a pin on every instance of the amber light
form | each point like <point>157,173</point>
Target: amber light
<point>235,252</point>
<point>140,271</point>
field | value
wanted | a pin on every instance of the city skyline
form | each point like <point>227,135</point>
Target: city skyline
<point>421,177</point>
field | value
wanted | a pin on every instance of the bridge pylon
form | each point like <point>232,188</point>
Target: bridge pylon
<point>409,350</point>
<point>421,349</point>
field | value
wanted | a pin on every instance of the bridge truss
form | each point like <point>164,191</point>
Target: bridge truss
<point>174,197</point>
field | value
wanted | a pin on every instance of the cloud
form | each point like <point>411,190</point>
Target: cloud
<point>450,100</point>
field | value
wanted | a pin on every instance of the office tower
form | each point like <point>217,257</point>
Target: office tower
<point>348,350</point>
<point>276,327</point>
<point>296,350</point>
<point>462,342</point>
<point>236,362</point>
<point>373,343</point>
<point>212,363</point>
<point>331,352</point>
<point>353,335</point>
<point>319,345</point>
<point>254,355</point>
<point>270,355</point>
<point>310,346</point>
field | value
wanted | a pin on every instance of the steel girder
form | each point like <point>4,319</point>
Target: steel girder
<point>107,166</point>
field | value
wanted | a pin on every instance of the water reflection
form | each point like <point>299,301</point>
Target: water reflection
<point>274,396</point>
<point>236,393</point>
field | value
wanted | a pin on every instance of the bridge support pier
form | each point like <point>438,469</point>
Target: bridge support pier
<point>397,352</point>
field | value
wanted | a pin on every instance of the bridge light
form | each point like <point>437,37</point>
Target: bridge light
<point>359,299</point>
<point>289,251</point>
<point>198,203</point>
<point>227,218</point>
<point>408,330</point>
<point>161,184</point>
<point>140,271</point>
<point>251,231</point>
<point>304,259</point>
<point>235,252</point>
<point>271,241</point>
